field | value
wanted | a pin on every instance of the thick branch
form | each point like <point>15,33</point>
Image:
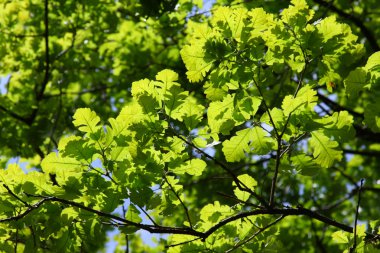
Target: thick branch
<point>150,228</point>
<point>289,211</point>
<point>300,211</point>
<point>337,107</point>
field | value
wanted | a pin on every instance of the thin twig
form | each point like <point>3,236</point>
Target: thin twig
<point>126,243</point>
<point>147,215</point>
<point>14,195</point>
<point>352,249</point>
<point>238,200</point>
<point>279,140</point>
<point>266,108</point>
<point>241,243</point>
<point>318,240</point>
<point>180,200</point>
<point>239,184</point>
<point>182,243</point>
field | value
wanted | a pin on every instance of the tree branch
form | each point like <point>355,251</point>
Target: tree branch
<point>300,211</point>
<point>180,200</point>
<point>15,196</point>
<point>279,140</point>
<point>337,107</point>
<point>352,249</point>
<point>239,184</point>
<point>241,243</point>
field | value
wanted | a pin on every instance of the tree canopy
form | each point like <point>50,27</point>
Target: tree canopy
<point>224,126</point>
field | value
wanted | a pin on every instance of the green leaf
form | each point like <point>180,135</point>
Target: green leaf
<point>192,112</point>
<point>230,20</point>
<point>355,82</point>
<point>305,165</point>
<point>325,152</point>
<point>305,100</point>
<point>371,116</point>
<point>234,148</point>
<point>329,28</point>
<point>249,182</point>
<point>220,115</point>
<point>246,105</point>
<point>277,116</point>
<point>261,142</point>
<point>339,125</point>
<point>168,77</point>
<point>373,62</point>
<point>133,214</point>
<point>250,138</point>
<point>174,100</point>
<point>130,114</point>
<point>213,213</point>
<point>193,167</point>
<point>340,237</point>
<point>196,61</point>
<point>86,120</point>
<point>69,214</point>
<point>62,167</point>
<point>78,148</point>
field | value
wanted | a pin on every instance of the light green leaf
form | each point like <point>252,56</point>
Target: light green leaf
<point>174,100</point>
<point>260,21</point>
<point>213,213</point>
<point>373,62</point>
<point>247,106</point>
<point>86,120</point>
<point>220,115</point>
<point>305,100</point>
<point>278,118</point>
<point>193,167</point>
<point>325,152</point>
<point>329,28</point>
<point>167,76</point>
<point>305,165</point>
<point>133,214</point>
<point>131,113</point>
<point>192,112</point>
<point>249,182</point>
<point>230,20</point>
<point>251,138</point>
<point>69,214</point>
<point>261,142</point>
<point>197,64</point>
<point>339,125</point>
<point>62,167</point>
<point>340,237</point>
<point>78,148</point>
<point>234,148</point>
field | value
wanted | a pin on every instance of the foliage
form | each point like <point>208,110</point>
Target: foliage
<point>246,127</point>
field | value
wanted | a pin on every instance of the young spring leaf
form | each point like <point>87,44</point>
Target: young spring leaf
<point>325,150</point>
